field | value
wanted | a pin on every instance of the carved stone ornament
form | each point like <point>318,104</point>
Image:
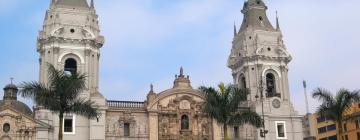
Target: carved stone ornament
<point>184,104</point>
<point>276,103</point>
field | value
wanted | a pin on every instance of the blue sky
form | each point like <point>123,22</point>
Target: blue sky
<point>148,40</point>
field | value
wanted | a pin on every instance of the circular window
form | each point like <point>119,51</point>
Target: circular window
<point>269,49</point>
<point>6,127</point>
<point>72,30</point>
<point>258,2</point>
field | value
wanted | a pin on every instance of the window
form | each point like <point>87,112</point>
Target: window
<point>6,127</point>
<point>280,129</point>
<point>270,85</point>
<point>243,81</point>
<point>321,130</point>
<point>332,137</point>
<point>236,132</point>
<point>346,137</point>
<point>323,139</point>
<point>320,119</point>
<point>69,124</point>
<point>357,123</point>
<point>260,18</point>
<point>358,135</point>
<point>70,66</point>
<point>331,127</point>
<point>345,128</point>
<point>184,122</point>
<point>126,129</point>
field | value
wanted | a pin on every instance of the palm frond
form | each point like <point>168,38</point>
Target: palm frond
<point>213,105</point>
<point>32,89</point>
<point>85,108</point>
<point>334,107</point>
<point>247,117</point>
<point>323,95</point>
<point>237,96</point>
<point>74,85</point>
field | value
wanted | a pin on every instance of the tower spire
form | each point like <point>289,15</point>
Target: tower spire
<point>181,72</point>
<point>255,16</point>
<point>92,4</point>
<point>277,22</point>
<point>52,3</point>
<point>151,88</point>
<point>235,31</point>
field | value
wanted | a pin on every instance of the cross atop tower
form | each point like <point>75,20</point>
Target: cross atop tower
<point>11,80</point>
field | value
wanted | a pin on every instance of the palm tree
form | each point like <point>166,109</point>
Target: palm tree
<point>334,107</point>
<point>223,106</point>
<point>60,95</point>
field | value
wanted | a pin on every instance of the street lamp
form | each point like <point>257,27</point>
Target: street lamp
<point>263,131</point>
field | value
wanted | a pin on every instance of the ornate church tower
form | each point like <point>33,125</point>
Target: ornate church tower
<point>70,40</point>
<point>259,61</point>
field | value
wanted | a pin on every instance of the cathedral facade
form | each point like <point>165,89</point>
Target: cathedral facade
<point>70,40</point>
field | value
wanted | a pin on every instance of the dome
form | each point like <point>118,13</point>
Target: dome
<point>18,106</point>
<point>10,86</point>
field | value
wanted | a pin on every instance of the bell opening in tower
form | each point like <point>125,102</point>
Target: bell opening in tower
<point>70,66</point>
<point>270,85</point>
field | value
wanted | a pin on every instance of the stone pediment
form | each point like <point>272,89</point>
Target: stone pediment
<point>7,110</point>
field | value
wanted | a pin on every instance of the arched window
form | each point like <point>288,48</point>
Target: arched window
<point>6,127</point>
<point>270,85</point>
<point>242,81</point>
<point>184,122</point>
<point>70,65</point>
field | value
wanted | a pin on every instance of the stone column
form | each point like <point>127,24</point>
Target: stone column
<point>30,137</point>
<point>153,126</point>
<point>23,135</point>
<point>17,136</point>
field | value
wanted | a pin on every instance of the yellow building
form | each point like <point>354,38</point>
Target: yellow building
<point>323,129</point>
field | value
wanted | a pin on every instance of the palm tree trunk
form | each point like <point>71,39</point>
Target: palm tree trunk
<point>60,135</point>
<point>226,137</point>
<point>339,130</point>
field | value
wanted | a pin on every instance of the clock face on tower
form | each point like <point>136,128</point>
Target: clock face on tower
<point>276,103</point>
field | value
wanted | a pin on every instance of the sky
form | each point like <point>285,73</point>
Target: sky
<point>147,41</point>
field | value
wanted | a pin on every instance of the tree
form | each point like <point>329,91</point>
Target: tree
<point>223,106</point>
<point>333,107</point>
<point>61,95</point>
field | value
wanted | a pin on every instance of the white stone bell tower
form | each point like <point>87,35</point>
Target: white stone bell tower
<point>259,61</point>
<point>70,40</point>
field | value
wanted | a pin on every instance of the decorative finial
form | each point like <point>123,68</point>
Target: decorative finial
<point>11,80</point>
<point>181,72</point>
<point>277,22</point>
<point>235,31</point>
<point>151,88</point>
<point>92,4</point>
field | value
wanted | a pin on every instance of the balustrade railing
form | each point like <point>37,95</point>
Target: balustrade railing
<point>125,104</point>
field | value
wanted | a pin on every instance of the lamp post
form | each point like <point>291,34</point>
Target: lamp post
<point>263,131</point>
